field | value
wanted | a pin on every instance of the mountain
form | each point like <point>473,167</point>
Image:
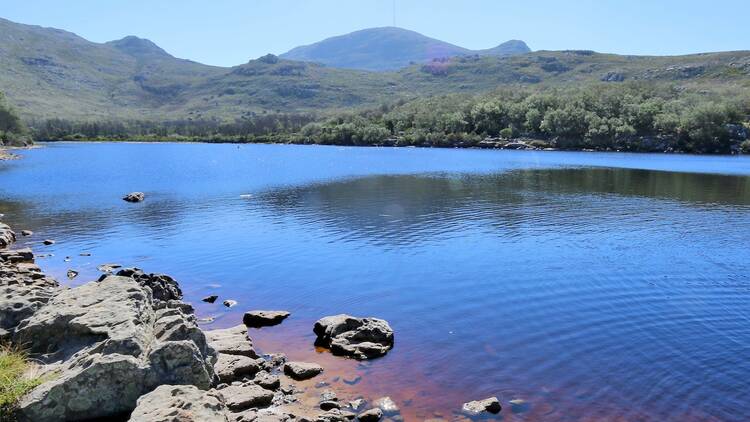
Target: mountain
<point>390,48</point>
<point>49,73</point>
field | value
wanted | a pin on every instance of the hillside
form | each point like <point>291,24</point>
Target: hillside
<point>391,48</point>
<point>48,73</point>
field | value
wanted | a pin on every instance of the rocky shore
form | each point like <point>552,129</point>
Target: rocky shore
<point>128,348</point>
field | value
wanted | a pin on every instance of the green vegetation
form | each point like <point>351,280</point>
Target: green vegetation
<point>623,117</point>
<point>13,132</point>
<point>15,381</point>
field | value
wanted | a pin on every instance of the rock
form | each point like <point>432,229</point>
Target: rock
<point>162,286</point>
<point>134,197</point>
<point>110,343</point>
<point>234,367</point>
<point>491,405</point>
<point>613,77</point>
<point>231,341</point>
<point>108,268</point>
<point>258,319</point>
<point>210,299</point>
<point>7,236</point>
<point>372,415</point>
<point>357,404</point>
<point>48,242</point>
<point>329,405</point>
<point>230,303</point>
<point>26,232</point>
<point>184,403</point>
<point>301,370</point>
<point>242,397</point>
<point>361,338</point>
<point>387,405</point>
<point>267,381</point>
<point>72,274</point>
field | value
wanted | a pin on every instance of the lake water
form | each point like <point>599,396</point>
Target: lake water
<point>591,286</point>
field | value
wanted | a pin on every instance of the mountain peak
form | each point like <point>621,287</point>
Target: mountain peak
<point>388,48</point>
<point>138,47</point>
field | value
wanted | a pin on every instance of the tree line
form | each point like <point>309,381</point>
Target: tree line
<point>623,117</point>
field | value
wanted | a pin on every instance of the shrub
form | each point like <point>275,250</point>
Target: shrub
<point>15,379</point>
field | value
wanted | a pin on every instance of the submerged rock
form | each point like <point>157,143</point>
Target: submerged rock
<point>361,338</point>
<point>302,370</point>
<point>108,268</point>
<point>134,197</point>
<point>26,232</point>
<point>48,242</point>
<point>72,274</point>
<point>210,299</point>
<point>258,319</point>
<point>490,405</point>
<point>230,303</point>
<point>185,403</point>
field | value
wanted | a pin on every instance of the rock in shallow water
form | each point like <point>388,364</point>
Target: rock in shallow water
<point>490,405</point>
<point>134,197</point>
<point>210,299</point>
<point>180,403</point>
<point>361,338</point>
<point>302,370</point>
<point>372,415</point>
<point>230,303</point>
<point>258,319</point>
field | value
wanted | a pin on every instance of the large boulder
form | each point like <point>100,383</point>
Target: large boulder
<point>109,343</point>
<point>163,287</point>
<point>184,403</point>
<point>258,319</point>
<point>361,338</point>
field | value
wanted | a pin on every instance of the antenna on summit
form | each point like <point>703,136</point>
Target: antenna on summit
<point>394,13</point>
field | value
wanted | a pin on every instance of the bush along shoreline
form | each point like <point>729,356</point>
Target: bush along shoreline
<point>127,347</point>
<point>633,117</point>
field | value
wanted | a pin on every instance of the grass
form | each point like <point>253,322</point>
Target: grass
<point>17,378</point>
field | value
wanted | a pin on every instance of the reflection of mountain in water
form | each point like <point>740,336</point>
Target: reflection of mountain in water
<point>402,210</point>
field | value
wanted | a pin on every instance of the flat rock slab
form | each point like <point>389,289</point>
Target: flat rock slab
<point>234,367</point>
<point>302,370</point>
<point>231,341</point>
<point>490,405</point>
<point>258,319</point>
<point>241,397</point>
<point>184,403</point>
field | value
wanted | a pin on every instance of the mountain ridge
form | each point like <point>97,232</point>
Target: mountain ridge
<point>389,48</point>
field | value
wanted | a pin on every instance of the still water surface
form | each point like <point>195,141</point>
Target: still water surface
<point>591,286</point>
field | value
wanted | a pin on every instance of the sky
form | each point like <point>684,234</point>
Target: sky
<point>231,32</point>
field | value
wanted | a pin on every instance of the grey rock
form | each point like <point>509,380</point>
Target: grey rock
<point>357,404</point>
<point>210,299</point>
<point>361,338</point>
<point>7,236</point>
<point>230,303</point>
<point>180,404</point>
<point>387,405</point>
<point>72,274</point>
<point>134,197</point>
<point>490,405</point>
<point>242,397</point>
<point>26,232</point>
<point>267,381</point>
<point>258,319</point>
<point>163,287</point>
<point>231,341</point>
<point>108,268</point>
<point>302,370</point>
<point>372,415</point>
<point>109,343</point>
<point>234,367</point>
<point>329,405</point>
<point>48,242</point>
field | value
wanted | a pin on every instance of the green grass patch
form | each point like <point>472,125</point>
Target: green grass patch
<point>16,379</point>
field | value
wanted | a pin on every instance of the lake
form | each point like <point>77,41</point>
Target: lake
<point>582,286</point>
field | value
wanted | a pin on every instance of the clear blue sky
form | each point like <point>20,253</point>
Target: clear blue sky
<point>229,32</point>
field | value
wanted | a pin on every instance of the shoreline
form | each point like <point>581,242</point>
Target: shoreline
<point>179,360</point>
<point>515,144</point>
